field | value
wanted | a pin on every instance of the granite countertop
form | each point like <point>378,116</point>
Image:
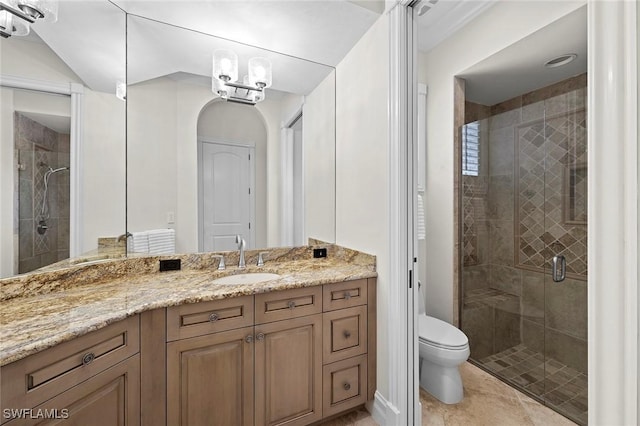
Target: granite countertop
<point>42,310</point>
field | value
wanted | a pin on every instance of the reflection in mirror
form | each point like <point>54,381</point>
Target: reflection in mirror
<point>202,170</point>
<point>62,146</point>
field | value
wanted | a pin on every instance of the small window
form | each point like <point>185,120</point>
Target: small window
<point>471,149</point>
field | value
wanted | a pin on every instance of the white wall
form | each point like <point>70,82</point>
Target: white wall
<point>103,145</point>
<point>318,133</point>
<point>362,172</point>
<point>498,27</point>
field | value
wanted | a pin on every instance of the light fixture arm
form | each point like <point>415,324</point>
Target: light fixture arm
<point>16,12</point>
<point>243,86</point>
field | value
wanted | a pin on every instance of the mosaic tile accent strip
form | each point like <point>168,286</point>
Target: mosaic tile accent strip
<point>550,178</point>
<point>473,211</point>
<point>560,387</point>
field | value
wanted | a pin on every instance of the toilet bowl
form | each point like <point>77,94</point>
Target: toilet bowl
<point>442,348</point>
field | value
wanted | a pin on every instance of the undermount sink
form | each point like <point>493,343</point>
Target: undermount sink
<point>248,278</point>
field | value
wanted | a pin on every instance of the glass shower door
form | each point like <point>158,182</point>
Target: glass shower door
<point>565,255</point>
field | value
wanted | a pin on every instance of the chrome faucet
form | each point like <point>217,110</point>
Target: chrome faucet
<point>241,245</point>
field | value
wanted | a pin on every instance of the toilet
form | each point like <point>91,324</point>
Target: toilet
<point>442,348</point>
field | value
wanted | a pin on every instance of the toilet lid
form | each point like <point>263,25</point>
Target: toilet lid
<point>440,333</point>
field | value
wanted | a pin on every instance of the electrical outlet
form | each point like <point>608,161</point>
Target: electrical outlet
<point>319,253</point>
<point>170,265</point>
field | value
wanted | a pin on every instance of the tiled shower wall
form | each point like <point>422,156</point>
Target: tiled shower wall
<point>36,144</point>
<point>528,202</point>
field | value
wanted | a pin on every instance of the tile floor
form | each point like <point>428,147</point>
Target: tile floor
<point>558,385</point>
<point>487,402</point>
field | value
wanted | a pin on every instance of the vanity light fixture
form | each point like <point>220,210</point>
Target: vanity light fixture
<point>225,83</point>
<point>16,15</point>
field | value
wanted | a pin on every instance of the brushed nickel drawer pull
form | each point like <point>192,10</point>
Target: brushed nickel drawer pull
<point>347,295</point>
<point>346,386</point>
<point>88,358</point>
<point>347,334</point>
<point>248,339</point>
<point>291,304</point>
<point>260,337</point>
<point>213,317</point>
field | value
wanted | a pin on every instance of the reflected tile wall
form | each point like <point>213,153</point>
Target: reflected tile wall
<point>35,146</point>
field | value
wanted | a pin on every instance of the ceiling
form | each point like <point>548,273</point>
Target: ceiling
<point>519,68</point>
<point>302,37</point>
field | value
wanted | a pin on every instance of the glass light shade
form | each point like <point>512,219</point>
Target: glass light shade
<point>12,25</point>
<point>218,88</point>
<point>260,72</point>
<point>225,65</point>
<point>45,9</point>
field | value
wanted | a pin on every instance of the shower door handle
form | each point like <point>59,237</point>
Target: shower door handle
<point>559,269</point>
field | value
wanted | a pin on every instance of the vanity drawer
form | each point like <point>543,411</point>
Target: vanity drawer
<point>345,333</point>
<point>344,385</point>
<point>344,295</point>
<point>33,380</point>
<point>198,319</point>
<point>287,304</point>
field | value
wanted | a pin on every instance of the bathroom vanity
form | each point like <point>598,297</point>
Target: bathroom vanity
<point>152,348</point>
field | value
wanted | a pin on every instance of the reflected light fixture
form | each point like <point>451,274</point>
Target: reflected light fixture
<point>225,82</point>
<point>16,15</point>
<point>121,90</point>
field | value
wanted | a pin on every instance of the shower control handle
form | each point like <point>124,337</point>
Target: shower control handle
<point>559,268</point>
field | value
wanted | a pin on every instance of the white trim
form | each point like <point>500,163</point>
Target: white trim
<point>613,212</point>
<point>75,91</point>
<point>403,389</point>
<point>382,411</point>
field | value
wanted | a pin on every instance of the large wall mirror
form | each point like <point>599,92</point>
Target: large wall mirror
<point>62,139</point>
<point>109,126</point>
<point>208,168</point>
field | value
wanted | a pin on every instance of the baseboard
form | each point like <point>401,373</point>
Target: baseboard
<point>382,411</point>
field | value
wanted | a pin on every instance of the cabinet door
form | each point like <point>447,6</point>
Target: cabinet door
<point>210,379</point>
<point>289,371</point>
<point>110,398</point>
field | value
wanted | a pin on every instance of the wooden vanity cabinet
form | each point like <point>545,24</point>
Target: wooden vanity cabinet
<point>288,357</point>
<point>346,345</point>
<point>210,379</point>
<point>93,379</point>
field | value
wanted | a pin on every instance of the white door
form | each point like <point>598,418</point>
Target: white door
<point>226,196</point>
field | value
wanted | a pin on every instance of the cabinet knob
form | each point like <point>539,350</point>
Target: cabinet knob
<point>213,317</point>
<point>347,295</point>
<point>347,334</point>
<point>88,358</point>
<point>248,339</point>
<point>260,337</point>
<point>291,304</point>
<point>346,386</point>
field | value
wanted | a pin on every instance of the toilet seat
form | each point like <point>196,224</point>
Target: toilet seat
<point>440,334</point>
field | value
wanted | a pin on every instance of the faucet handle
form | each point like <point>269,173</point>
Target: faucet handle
<point>221,264</point>
<point>261,257</point>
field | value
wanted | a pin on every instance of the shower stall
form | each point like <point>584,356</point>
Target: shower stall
<point>41,193</point>
<point>523,242</point>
